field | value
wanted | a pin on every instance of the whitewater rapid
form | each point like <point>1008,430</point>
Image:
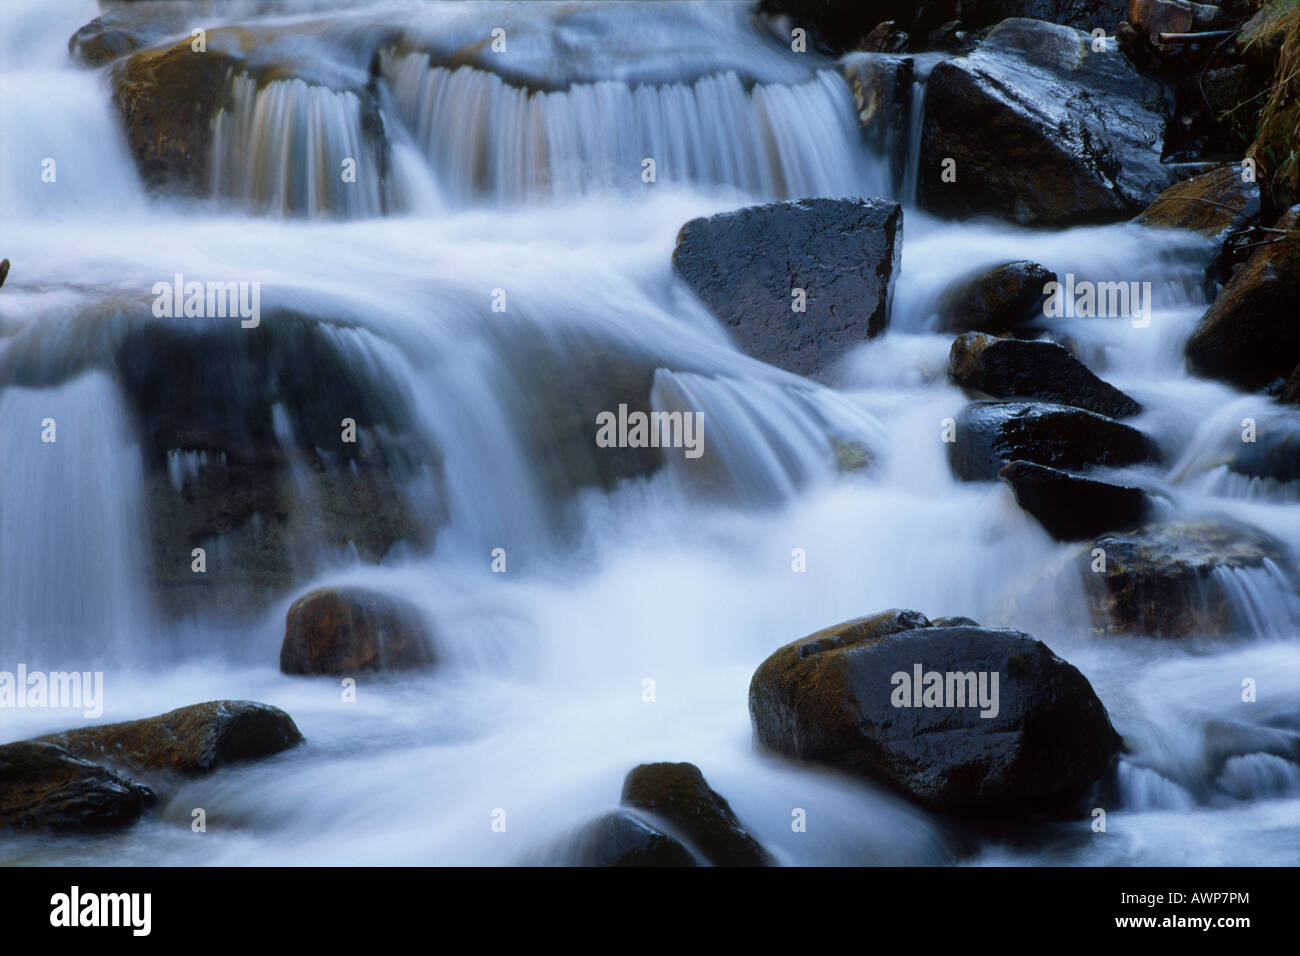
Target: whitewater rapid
<point>537,705</point>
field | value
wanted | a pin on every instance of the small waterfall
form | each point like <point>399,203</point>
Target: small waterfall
<point>282,147</point>
<point>763,442</point>
<point>1259,776</point>
<point>1142,789</point>
<point>72,526</point>
<point>485,137</point>
<point>1263,600</point>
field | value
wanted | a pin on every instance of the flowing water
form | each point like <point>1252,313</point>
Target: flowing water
<point>527,176</point>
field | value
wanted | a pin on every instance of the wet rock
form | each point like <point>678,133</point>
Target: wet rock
<point>678,794</point>
<point>1072,508</point>
<point>882,94</point>
<point>4,271</point>
<point>991,435</point>
<point>243,440</point>
<point>1217,204</point>
<point>190,740</point>
<point>1274,454</point>
<point>348,630</point>
<point>1160,580</point>
<point>1005,297</point>
<point>1154,17</point>
<point>42,786</point>
<point>1079,134</point>
<point>1014,368</point>
<point>746,265</point>
<point>836,698</point>
<point>625,839</point>
<point>886,37</point>
<point>1249,336</point>
<point>851,456</point>
<point>168,97</point>
<point>101,41</point>
<point>1083,14</point>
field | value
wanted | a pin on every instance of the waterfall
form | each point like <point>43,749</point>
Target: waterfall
<point>498,275</point>
<point>486,138</point>
<point>285,147</point>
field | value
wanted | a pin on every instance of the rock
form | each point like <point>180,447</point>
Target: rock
<point>745,265</point>
<point>882,94</point>
<point>1218,204</point>
<point>1274,454</point>
<point>1290,393</point>
<point>98,43</point>
<point>4,271</point>
<point>1078,134</point>
<point>990,435</point>
<point>1014,368</point>
<point>851,456</point>
<point>1154,17</point>
<point>242,439</point>
<point>190,740</point>
<point>1249,336</point>
<point>42,786</point>
<point>1071,508</point>
<point>349,630</point>
<point>1160,580</point>
<point>678,794</point>
<point>840,25</point>
<point>624,839</point>
<point>168,97</point>
<point>833,698</point>
<point>1005,297</point>
<point>886,37</point>
<point>1082,14</point>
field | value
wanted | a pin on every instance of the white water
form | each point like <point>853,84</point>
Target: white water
<point>536,706</point>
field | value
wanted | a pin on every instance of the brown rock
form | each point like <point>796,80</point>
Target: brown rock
<point>678,794</point>
<point>192,740</point>
<point>42,786</point>
<point>347,630</point>
<point>1250,336</point>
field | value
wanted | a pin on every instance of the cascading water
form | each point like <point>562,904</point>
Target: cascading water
<point>499,182</point>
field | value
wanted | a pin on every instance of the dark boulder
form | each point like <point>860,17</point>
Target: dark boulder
<point>746,265</point>
<point>1250,336</point>
<point>245,455</point>
<point>842,697</point>
<point>1014,368</point>
<point>1076,135</point>
<point>620,839</point>
<point>349,630</point>
<point>1160,580</point>
<point>1005,297</point>
<point>990,435</point>
<point>678,794</point>
<point>842,25</point>
<point>1072,508</point>
<point>191,740</point>
<point>42,786</point>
